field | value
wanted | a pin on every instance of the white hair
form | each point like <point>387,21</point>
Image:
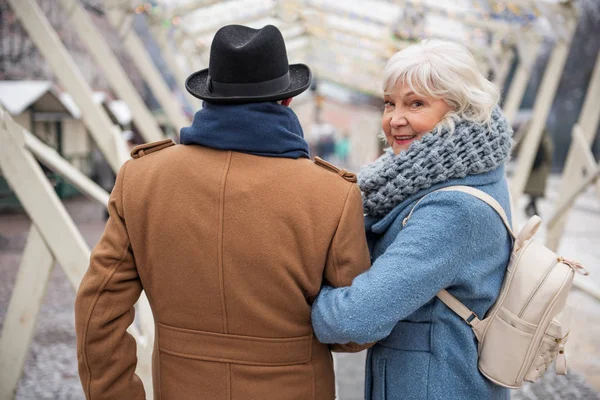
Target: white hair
<point>448,71</point>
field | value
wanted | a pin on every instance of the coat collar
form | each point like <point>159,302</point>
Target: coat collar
<point>381,225</point>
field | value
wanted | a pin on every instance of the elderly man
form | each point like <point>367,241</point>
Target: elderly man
<point>231,234</point>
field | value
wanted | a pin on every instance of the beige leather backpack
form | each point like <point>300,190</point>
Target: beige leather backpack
<point>528,326</point>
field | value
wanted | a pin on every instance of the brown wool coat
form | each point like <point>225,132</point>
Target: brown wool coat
<point>231,249</point>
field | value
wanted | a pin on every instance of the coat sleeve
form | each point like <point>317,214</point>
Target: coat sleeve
<point>104,309</point>
<point>348,254</point>
<point>423,259</point>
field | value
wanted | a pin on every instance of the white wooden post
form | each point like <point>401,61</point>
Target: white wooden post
<point>528,50</point>
<point>571,196</point>
<point>578,155</point>
<point>105,134</point>
<point>121,20</point>
<point>543,102</point>
<point>53,227</point>
<point>41,203</point>
<point>589,164</point>
<point>23,309</point>
<point>507,59</point>
<point>144,336</point>
<point>145,343</point>
<point>50,158</point>
<point>118,79</point>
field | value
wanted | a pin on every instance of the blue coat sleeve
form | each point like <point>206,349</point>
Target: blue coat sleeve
<point>424,258</point>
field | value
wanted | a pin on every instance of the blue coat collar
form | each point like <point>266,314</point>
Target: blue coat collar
<point>381,225</point>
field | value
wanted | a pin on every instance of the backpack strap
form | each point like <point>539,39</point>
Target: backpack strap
<point>486,198</point>
<point>452,302</point>
<point>459,308</point>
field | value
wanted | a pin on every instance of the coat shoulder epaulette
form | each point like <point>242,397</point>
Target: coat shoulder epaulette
<point>147,148</point>
<point>349,176</point>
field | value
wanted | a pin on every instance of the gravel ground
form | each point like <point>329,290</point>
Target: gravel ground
<point>51,369</point>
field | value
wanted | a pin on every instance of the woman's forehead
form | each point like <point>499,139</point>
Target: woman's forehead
<point>403,89</point>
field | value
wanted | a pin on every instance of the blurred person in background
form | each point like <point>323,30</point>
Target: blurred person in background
<point>540,171</point>
<point>342,149</point>
<point>535,187</point>
<point>231,235</point>
<point>324,139</point>
<point>128,136</point>
<point>444,128</point>
<point>102,174</point>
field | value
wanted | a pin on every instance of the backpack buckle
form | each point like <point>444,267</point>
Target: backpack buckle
<point>473,319</point>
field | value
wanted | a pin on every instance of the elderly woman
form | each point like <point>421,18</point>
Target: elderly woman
<point>444,128</point>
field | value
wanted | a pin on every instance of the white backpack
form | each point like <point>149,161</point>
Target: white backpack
<point>528,325</point>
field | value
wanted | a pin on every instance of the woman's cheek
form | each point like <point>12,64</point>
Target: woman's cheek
<point>385,125</point>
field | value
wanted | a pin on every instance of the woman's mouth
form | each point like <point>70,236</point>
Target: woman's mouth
<point>404,139</point>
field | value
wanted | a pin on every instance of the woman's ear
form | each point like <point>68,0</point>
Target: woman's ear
<point>287,101</point>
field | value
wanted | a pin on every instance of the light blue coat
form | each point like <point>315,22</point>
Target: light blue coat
<point>425,351</point>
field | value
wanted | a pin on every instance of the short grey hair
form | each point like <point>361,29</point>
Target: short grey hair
<point>448,71</point>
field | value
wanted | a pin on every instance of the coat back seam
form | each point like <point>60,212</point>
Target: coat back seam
<point>220,267</point>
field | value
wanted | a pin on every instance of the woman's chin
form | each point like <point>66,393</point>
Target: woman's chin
<point>397,149</point>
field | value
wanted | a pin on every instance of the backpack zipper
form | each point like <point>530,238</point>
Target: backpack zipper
<point>575,266</point>
<point>536,341</point>
<point>537,287</point>
<point>515,257</point>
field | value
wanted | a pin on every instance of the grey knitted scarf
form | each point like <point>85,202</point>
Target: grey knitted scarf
<point>440,155</point>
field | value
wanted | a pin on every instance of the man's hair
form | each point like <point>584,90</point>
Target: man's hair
<point>448,71</point>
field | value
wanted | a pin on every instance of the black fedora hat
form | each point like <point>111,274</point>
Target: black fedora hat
<point>247,66</point>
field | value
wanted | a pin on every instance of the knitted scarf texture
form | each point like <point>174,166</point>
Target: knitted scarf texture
<point>440,155</point>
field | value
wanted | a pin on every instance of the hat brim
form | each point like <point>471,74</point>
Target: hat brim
<point>300,77</point>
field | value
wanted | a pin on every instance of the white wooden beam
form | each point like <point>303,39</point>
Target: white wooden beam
<point>106,135</point>
<point>41,203</point>
<point>500,76</point>
<point>528,50</point>
<point>116,76</point>
<point>25,303</point>
<point>580,140</point>
<point>50,158</point>
<point>572,172</point>
<point>544,99</point>
<point>119,18</point>
<point>49,216</point>
<point>568,200</point>
<point>145,343</point>
<point>59,234</point>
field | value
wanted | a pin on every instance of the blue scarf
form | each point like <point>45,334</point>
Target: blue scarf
<point>263,129</point>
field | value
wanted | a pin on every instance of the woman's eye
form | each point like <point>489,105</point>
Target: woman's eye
<point>417,104</point>
<point>388,104</point>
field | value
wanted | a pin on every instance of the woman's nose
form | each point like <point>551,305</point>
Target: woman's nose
<point>398,119</point>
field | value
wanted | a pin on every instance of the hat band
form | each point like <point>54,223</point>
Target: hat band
<point>249,89</point>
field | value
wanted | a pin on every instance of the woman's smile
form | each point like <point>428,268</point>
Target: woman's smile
<point>404,140</point>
